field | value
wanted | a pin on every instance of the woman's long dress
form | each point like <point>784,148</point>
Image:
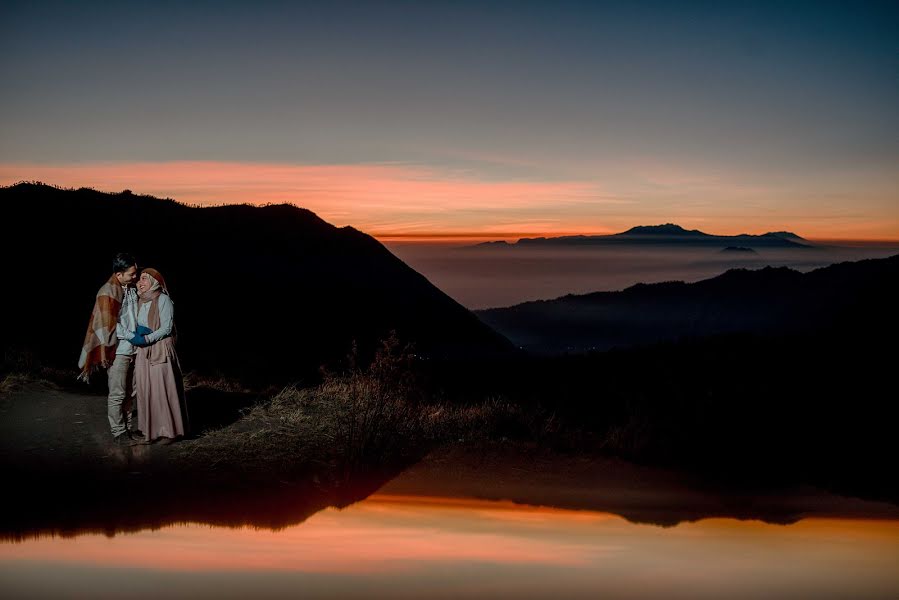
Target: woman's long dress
<point>161,409</point>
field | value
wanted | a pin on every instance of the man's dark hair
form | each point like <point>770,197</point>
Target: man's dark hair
<point>122,262</point>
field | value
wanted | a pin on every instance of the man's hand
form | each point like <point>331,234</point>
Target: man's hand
<point>141,330</point>
<point>138,340</point>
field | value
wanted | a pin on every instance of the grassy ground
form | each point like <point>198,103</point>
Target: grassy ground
<point>359,420</point>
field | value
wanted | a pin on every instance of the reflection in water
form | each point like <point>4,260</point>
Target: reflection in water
<point>153,500</point>
<point>406,546</point>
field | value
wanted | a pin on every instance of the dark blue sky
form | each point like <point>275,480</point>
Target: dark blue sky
<point>736,107</point>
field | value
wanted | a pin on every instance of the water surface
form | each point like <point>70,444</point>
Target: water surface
<point>402,546</point>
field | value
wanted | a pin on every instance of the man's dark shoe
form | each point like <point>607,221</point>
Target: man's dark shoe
<point>123,439</point>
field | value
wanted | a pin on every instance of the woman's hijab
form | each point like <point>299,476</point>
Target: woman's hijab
<point>157,286</point>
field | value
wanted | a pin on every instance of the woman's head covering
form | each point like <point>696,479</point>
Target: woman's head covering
<point>158,286</point>
<point>158,279</point>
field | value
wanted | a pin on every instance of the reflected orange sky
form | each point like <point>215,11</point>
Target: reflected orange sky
<point>387,533</point>
<point>408,202</point>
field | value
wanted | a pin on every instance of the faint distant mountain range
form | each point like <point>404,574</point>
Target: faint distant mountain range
<point>667,234</point>
<point>268,292</point>
<point>770,300</point>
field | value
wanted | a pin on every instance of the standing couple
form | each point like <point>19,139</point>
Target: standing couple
<point>132,335</point>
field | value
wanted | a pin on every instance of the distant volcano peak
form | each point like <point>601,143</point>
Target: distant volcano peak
<point>666,229</point>
<point>665,234</point>
<point>785,234</point>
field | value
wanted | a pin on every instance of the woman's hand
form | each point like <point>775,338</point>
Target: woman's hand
<point>141,330</point>
<point>138,340</point>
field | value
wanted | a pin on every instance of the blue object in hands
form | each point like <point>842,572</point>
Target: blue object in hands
<point>138,340</point>
<point>141,330</point>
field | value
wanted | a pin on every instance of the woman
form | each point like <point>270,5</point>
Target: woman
<point>161,410</point>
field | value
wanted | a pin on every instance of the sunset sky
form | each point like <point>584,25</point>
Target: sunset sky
<point>469,120</point>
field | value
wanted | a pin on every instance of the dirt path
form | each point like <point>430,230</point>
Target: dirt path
<point>64,475</point>
<point>46,428</point>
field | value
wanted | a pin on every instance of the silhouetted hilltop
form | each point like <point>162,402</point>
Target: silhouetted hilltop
<point>667,234</point>
<point>769,300</point>
<point>666,229</point>
<point>789,235</point>
<point>260,292</point>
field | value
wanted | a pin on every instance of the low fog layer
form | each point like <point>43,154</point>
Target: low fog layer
<point>498,276</point>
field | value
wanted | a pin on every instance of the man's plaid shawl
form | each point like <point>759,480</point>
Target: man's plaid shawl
<point>100,341</point>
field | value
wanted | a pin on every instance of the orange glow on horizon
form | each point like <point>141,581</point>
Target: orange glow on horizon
<point>477,237</point>
<point>409,203</point>
<point>474,236</point>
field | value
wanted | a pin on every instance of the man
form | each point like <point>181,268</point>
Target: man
<point>113,322</point>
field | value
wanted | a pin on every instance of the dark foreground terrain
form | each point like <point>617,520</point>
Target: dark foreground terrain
<point>762,379</point>
<point>66,478</point>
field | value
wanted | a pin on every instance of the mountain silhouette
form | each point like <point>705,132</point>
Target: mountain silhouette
<point>769,300</point>
<point>667,234</point>
<point>666,229</point>
<point>267,293</point>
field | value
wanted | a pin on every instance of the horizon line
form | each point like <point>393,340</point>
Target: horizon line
<point>474,236</point>
<point>449,236</point>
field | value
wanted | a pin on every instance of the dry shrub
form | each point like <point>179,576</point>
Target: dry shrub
<point>193,380</point>
<point>357,420</point>
<point>354,420</point>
